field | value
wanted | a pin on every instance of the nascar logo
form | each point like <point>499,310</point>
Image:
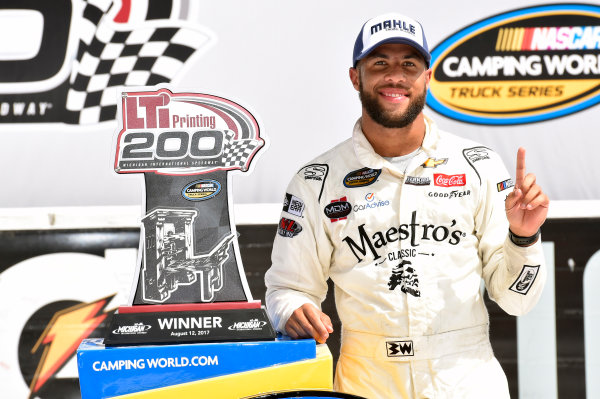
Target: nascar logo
<point>549,38</point>
<point>503,185</point>
<point>523,66</point>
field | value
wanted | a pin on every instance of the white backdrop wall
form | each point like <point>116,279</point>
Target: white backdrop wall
<point>289,62</point>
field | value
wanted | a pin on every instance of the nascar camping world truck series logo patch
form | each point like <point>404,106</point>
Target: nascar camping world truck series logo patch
<point>522,66</point>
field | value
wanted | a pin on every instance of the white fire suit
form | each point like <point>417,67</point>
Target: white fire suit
<point>407,252</point>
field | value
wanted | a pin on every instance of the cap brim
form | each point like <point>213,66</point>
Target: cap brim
<point>397,40</point>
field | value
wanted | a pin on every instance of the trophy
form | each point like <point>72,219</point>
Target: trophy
<point>189,284</point>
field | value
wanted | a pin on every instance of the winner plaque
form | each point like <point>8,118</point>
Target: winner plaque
<point>190,284</point>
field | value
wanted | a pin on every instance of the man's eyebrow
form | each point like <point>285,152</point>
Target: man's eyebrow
<point>376,54</point>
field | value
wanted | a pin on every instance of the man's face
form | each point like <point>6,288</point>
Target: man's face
<point>392,82</point>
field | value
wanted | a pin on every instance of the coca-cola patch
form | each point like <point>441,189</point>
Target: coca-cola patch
<point>442,180</point>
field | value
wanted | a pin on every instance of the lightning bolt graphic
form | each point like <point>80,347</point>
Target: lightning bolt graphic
<point>62,336</point>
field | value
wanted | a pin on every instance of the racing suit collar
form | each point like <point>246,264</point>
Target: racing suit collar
<point>368,157</point>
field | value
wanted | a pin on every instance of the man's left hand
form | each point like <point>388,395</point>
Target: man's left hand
<point>526,206</point>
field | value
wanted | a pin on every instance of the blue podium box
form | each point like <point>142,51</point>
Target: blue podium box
<point>106,372</point>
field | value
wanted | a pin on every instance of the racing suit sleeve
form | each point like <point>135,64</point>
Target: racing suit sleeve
<point>514,276</point>
<point>300,259</point>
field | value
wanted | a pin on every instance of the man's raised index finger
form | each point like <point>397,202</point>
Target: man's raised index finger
<point>520,167</point>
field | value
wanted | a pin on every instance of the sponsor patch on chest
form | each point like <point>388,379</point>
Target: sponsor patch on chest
<point>417,181</point>
<point>361,177</point>
<point>450,194</point>
<point>338,209</point>
<point>442,180</point>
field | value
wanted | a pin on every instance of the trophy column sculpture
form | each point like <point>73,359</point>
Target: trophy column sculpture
<point>190,284</point>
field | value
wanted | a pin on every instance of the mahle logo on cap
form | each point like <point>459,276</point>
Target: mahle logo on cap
<point>522,66</point>
<point>393,26</point>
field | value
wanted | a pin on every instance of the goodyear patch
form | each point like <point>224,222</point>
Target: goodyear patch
<point>361,177</point>
<point>522,66</point>
<point>201,190</point>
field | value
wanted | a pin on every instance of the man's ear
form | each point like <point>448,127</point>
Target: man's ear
<point>427,77</point>
<point>354,77</point>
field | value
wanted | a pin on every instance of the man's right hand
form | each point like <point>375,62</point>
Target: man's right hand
<point>307,321</point>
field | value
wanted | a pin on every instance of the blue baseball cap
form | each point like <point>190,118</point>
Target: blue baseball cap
<point>390,28</point>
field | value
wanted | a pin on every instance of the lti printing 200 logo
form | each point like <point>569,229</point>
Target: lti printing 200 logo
<point>522,66</point>
<point>185,133</point>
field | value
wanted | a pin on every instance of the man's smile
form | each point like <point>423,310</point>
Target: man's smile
<point>393,95</point>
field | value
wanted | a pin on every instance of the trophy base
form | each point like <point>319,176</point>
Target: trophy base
<point>188,323</point>
<point>224,370</point>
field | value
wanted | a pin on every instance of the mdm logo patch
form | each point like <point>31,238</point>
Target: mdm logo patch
<point>522,66</point>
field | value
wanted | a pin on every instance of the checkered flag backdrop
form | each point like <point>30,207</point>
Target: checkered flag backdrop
<point>112,55</point>
<point>236,153</point>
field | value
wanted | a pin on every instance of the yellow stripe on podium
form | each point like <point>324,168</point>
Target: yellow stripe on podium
<point>305,375</point>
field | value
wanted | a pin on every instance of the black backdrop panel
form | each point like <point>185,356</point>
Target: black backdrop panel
<point>575,241</point>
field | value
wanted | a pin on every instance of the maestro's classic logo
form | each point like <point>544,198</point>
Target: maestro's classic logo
<point>522,66</point>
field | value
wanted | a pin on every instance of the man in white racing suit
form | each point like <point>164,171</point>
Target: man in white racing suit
<point>407,221</point>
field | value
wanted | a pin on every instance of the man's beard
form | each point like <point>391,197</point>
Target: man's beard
<point>386,118</point>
